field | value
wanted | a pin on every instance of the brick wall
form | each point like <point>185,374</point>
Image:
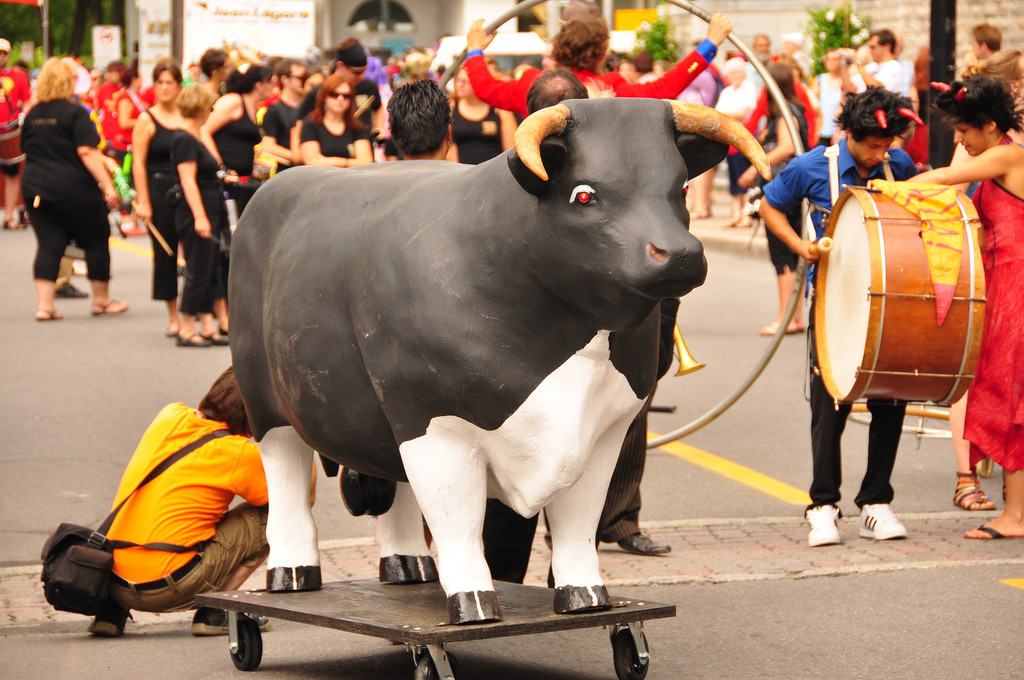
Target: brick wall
<point>910,19</point>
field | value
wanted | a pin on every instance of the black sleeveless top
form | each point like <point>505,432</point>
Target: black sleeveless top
<point>159,160</point>
<point>235,142</point>
<point>476,140</point>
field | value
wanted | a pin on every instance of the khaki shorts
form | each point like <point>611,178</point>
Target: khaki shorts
<point>241,539</point>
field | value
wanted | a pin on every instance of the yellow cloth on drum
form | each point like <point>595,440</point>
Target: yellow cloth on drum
<point>942,231</point>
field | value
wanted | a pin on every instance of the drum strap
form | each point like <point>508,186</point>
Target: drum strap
<point>832,154</point>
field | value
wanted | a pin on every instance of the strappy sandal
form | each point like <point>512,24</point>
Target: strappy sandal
<point>109,308</point>
<point>192,341</point>
<point>48,315</point>
<point>969,495</point>
<point>215,339</point>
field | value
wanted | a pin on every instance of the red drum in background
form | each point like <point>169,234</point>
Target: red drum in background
<point>875,322</point>
<point>10,143</point>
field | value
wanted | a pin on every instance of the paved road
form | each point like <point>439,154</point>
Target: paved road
<point>77,394</point>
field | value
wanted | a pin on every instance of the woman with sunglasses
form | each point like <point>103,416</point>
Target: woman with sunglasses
<point>331,135</point>
<point>155,176</point>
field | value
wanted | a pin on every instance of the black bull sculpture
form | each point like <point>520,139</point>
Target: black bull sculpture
<point>473,330</point>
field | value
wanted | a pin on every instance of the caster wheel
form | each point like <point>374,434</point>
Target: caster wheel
<point>627,659</point>
<point>426,670</point>
<point>250,645</point>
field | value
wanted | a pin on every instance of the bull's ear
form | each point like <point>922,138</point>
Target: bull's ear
<point>552,152</point>
<point>700,153</point>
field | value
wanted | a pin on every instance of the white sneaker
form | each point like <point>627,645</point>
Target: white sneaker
<point>878,522</point>
<point>824,521</point>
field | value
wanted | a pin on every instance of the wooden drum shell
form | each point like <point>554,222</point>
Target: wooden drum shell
<point>907,356</point>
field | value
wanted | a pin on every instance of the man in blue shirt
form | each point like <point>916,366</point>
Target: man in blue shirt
<point>873,120</point>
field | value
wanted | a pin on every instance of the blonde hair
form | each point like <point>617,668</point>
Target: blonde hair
<point>1005,65</point>
<point>194,101</point>
<point>56,81</point>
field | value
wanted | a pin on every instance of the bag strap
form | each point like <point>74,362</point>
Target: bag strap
<point>100,535</point>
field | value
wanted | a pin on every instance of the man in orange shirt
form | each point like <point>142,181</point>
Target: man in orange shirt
<point>187,505</point>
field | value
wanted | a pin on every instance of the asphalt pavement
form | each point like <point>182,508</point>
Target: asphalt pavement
<point>753,601</point>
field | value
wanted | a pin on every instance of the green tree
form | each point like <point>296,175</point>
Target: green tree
<point>71,23</point>
<point>836,27</point>
<point>655,39</point>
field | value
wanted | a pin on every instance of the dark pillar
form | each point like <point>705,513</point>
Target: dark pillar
<point>943,68</point>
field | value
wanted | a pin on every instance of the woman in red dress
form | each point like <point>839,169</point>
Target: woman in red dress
<point>983,111</point>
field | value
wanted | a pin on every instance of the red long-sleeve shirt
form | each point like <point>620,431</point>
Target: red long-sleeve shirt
<point>511,95</point>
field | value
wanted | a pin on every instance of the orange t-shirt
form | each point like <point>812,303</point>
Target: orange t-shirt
<point>184,504</point>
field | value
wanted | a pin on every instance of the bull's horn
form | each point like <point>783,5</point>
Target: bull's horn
<point>533,130</point>
<point>707,122</point>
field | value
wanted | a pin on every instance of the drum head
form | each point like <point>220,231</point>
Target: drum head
<point>847,306</point>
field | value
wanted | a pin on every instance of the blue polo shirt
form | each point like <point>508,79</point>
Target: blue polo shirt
<point>807,177</point>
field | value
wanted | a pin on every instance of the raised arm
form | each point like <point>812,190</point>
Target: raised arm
<point>501,94</point>
<point>676,79</point>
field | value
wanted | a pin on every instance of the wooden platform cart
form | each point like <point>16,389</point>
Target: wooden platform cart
<point>416,615</point>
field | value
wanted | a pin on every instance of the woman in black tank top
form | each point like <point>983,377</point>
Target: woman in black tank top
<point>479,132</point>
<point>231,133</point>
<point>155,175</point>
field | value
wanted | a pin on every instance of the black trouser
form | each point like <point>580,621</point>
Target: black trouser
<point>241,193</point>
<point>827,425</point>
<point>508,539</point>
<point>621,514</point>
<point>58,224</point>
<point>201,254</point>
<point>164,202</point>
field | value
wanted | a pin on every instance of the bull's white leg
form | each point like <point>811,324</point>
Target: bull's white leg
<point>573,517</point>
<point>404,555</point>
<point>294,561</point>
<point>450,482</point>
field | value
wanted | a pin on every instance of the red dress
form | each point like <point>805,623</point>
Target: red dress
<point>995,404</point>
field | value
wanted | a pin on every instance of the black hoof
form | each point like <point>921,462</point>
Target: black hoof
<point>366,495</point>
<point>578,599</point>
<point>291,579</point>
<point>407,569</point>
<point>477,606</point>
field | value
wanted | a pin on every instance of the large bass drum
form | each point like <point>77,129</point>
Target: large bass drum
<point>875,320</point>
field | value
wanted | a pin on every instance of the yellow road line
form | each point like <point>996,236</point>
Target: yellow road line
<point>736,472</point>
<point>122,244</point>
<point>1014,582</point>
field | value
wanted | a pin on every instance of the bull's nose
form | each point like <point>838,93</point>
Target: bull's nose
<point>656,254</point>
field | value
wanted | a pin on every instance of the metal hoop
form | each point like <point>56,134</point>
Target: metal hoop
<point>794,133</point>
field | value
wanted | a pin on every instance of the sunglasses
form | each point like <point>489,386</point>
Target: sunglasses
<point>347,96</point>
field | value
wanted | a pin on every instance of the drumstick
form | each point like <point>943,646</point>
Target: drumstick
<point>156,234</point>
<point>366,104</point>
<point>823,245</point>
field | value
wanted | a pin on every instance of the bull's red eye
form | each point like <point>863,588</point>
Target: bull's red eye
<point>583,194</point>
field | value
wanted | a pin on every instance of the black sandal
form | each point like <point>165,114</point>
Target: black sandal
<point>215,339</point>
<point>192,341</point>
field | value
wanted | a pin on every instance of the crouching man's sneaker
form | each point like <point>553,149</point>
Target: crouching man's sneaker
<point>210,621</point>
<point>878,522</point>
<point>824,521</point>
<point>109,622</point>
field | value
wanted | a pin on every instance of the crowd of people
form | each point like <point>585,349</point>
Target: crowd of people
<point>198,143</point>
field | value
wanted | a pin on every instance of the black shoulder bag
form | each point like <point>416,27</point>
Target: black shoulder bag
<point>78,562</point>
